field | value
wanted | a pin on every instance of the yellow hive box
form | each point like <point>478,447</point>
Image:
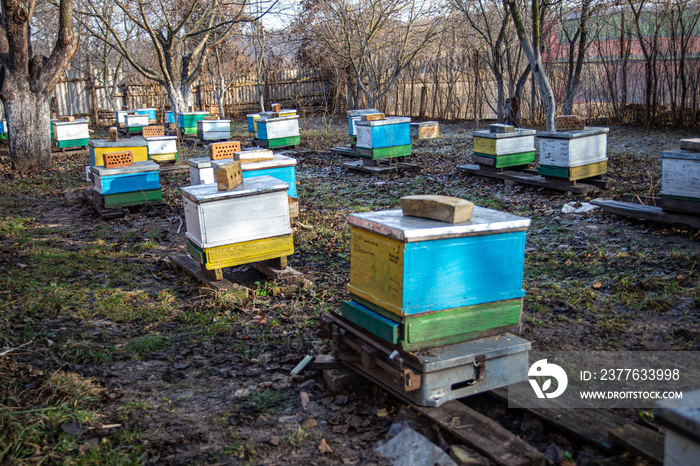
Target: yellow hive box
<point>231,255</point>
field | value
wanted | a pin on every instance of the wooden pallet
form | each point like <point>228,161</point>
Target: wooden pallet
<point>381,170</point>
<point>104,212</point>
<point>215,278</point>
<point>529,177</point>
<point>70,150</point>
<point>173,169</point>
<point>641,211</point>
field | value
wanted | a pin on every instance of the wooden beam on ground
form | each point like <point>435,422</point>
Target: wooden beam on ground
<point>483,434</point>
<point>589,425</point>
<point>647,212</point>
<point>641,441</point>
<point>191,266</point>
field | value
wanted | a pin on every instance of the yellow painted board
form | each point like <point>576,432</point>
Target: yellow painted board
<point>249,251</point>
<point>163,157</point>
<point>376,269</point>
<point>588,171</point>
<point>140,153</point>
<point>485,145</point>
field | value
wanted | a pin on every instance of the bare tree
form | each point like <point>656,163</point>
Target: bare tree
<point>223,74</point>
<point>377,39</point>
<point>181,33</point>
<point>31,78</point>
<point>574,26</point>
<point>530,40</point>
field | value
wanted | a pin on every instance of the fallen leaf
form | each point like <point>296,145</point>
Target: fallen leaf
<point>597,285</point>
<point>323,447</point>
<point>382,413</point>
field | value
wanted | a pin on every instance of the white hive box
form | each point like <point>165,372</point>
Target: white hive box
<point>280,127</point>
<point>162,145</point>
<point>680,174</point>
<point>256,209</point>
<point>136,121</point>
<point>356,115</point>
<point>518,141</point>
<point>573,148</point>
<point>214,130</point>
<point>121,117</point>
<point>71,130</point>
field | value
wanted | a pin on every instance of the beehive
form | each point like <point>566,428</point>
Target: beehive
<point>162,148</point>
<point>246,224</point>
<point>169,118</point>
<point>681,419</point>
<point>356,115</point>
<point>680,171</point>
<point>252,125</point>
<point>134,123</point>
<point>121,117</point>
<point>213,130</point>
<point>151,112</point>
<point>71,133</point>
<point>3,129</point>
<point>382,139</point>
<point>98,147</point>
<point>504,149</point>
<point>187,121</point>
<point>139,176</point>
<point>435,282</point>
<point>573,155</point>
<point>425,130</point>
<point>282,131</point>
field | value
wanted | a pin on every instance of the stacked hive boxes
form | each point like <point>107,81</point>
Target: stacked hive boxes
<point>504,146</point>
<point>435,283</point>
<point>161,148</point>
<point>573,152</point>
<point>187,122</point>
<point>169,118</point>
<point>383,138</point>
<point>436,292</point>
<point>71,133</point>
<point>353,117</point>
<point>121,182</point>
<point>151,112</point>
<point>680,170</point>
<point>214,130</point>
<point>254,162</point>
<point>681,419</point>
<point>135,122</point>
<point>3,129</point>
<point>248,223</point>
<point>278,129</point>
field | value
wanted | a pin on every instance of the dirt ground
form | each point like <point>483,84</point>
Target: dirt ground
<point>186,375</point>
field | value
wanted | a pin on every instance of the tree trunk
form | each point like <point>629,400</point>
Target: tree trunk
<point>28,117</point>
<point>181,99</point>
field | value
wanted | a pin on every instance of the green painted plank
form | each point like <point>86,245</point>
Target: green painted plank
<point>680,198</point>
<point>4,135</point>
<point>135,129</point>
<point>190,130</point>
<point>132,198</point>
<point>71,143</point>
<point>376,324</point>
<point>196,253</point>
<point>580,172</point>
<point>448,326</point>
<point>284,142</point>
<point>510,160</point>
<point>385,152</point>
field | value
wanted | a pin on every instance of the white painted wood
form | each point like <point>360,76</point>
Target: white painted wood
<point>214,125</point>
<point>120,114</point>
<point>202,175</point>
<point>680,172</point>
<point>214,135</point>
<point>364,135</point>
<point>216,218</point>
<point>251,155</point>
<point>282,127</point>
<point>679,450</point>
<point>162,145</point>
<point>70,130</point>
<point>573,152</point>
<point>514,145</point>
<point>132,121</point>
